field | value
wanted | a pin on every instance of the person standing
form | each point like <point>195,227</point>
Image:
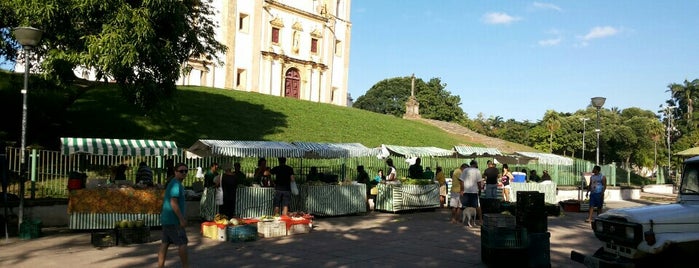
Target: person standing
<point>533,176</point>
<point>598,184</point>
<point>284,175</point>
<point>428,174</point>
<point>392,176</point>
<point>144,175</point>
<point>491,180</point>
<point>415,170</point>
<point>457,190</point>
<point>172,218</point>
<point>363,177</point>
<point>470,178</point>
<point>506,179</point>
<point>230,181</point>
<point>207,204</point>
<point>442,181</point>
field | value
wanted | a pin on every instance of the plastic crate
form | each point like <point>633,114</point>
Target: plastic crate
<point>539,250</point>
<point>490,205</point>
<point>104,238</point>
<point>242,233</point>
<point>137,235</point>
<point>299,228</point>
<point>499,221</point>
<point>30,229</point>
<point>213,230</point>
<point>271,228</point>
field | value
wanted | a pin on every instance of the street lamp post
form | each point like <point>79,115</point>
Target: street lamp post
<point>598,102</point>
<point>28,37</point>
<point>584,119</point>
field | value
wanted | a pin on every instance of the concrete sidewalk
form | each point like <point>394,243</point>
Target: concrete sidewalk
<point>417,239</point>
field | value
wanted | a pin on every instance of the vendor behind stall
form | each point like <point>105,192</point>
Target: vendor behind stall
<point>144,175</point>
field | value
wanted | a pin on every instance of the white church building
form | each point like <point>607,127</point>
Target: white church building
<point>287,48</point>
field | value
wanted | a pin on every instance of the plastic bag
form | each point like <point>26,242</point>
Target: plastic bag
<point>219,196</point>
<point>294,188</point>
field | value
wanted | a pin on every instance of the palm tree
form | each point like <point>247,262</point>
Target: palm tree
<point>553,123</point>
<point>685,94</point>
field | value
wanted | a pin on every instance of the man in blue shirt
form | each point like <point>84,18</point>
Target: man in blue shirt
<point>173,219</point>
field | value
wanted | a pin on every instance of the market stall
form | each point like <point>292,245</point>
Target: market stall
<point>102,206</point>
<point>253,201</point>
<point>393,198</point>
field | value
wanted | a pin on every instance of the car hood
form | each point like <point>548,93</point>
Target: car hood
<point>660,214</point>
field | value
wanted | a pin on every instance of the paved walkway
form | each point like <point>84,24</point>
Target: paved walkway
<point>418,239</point>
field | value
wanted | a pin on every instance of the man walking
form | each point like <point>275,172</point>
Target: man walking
<point>598,184</point>
<point>172,217</point>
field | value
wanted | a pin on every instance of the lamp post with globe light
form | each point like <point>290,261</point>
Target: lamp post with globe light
<point>28,37</point>
<point>598,102</point>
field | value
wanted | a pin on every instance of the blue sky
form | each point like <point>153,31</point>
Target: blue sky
<point>518,59</point>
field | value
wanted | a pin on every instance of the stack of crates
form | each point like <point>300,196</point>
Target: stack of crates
<point>531,215</point>
<point>500,237</point>
<point>490,205</point>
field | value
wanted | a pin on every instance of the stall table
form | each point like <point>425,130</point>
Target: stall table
<point>549,190</point>
<point>394,198</point>
<point>101,208</point>
<point>335,200</point>
<point>255,202</point>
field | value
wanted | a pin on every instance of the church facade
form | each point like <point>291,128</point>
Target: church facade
<point>288,48</point>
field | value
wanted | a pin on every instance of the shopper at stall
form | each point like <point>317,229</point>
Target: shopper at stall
<point>230,181</point>
<point>380,177</point>
<point>207,204</point>
<point>363,177</point>
<point>506,179</point>
<point>262,175</point>
<point>172,218</point>
<point>284,175</point>
<point>457,190</point>
<point>491,180</point>
<point>442,181</point>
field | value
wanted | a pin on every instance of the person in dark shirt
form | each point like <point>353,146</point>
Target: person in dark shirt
<point>415,171</point>
<point>284,175</point>
<point>363,177</point>
<point>144,174</point>
<point>230,181</point>
<point>533,176</point>
<point>491,180</point>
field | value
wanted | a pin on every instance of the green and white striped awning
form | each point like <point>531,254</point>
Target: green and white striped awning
<point>205,148</point>
<point>469,151</point>
<point>321,150</point>
<point>358,149</point>
<point>99,146</point>
<point>405,151</point>
<point>549,159</point>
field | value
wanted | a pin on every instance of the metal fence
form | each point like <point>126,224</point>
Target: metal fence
<point>49,171</point>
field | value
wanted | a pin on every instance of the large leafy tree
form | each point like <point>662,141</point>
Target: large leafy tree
<point>685,95</point>
<point>390,95</point>
<point>552,122</point>
<point>140,44</point>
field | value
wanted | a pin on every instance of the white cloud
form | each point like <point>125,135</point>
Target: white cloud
<point>538,5</point>
<point>600,32</point>
<point>499,18</point>
<point>550,42</point>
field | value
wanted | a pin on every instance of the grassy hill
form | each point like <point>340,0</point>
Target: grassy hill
<point>89,109</point>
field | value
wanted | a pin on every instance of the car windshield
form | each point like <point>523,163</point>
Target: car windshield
<point>690,179</point>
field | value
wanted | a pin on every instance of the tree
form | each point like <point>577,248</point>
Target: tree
<point>389,96</point>
<point>552,122</point>
<point>685,94</point>
<point>140,44</point>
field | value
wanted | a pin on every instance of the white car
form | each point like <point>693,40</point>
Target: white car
<point>651,236</point>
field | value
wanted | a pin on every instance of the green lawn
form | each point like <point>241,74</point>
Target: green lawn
<point>98,110</point>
